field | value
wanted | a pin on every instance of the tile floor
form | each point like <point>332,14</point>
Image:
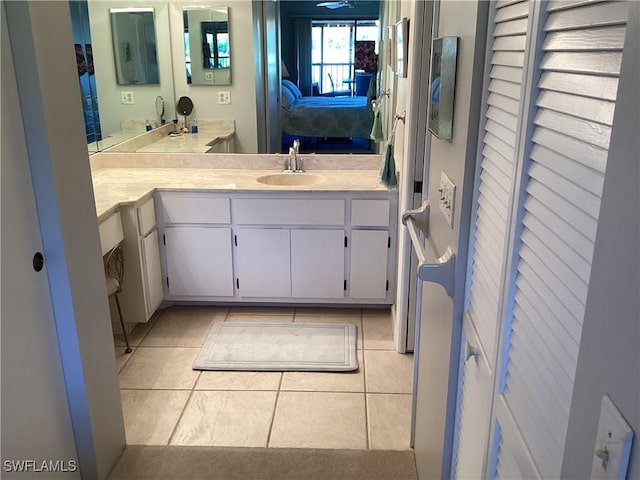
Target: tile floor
<point>165,402</point>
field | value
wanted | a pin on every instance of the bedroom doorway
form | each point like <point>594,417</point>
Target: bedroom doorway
<point>324,52</point>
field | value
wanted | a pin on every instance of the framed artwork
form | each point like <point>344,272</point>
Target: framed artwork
<point>389,45</point>
<point>442,85</point>
<point>402,47</point>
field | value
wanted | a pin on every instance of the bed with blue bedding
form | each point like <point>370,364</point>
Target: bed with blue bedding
<point>325,116</point>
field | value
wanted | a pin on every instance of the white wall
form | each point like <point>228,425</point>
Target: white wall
<point>112,111</point>
<point>441,316</point>
<point>205,98</point>
<point>609,358</point>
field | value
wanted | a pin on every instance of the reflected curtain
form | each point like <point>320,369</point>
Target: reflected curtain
<point>303,54</point>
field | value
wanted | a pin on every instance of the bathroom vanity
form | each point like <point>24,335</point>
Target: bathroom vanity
<point>223,235</point>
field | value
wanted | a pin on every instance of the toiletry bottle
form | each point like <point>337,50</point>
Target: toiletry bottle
<point>147,125</point>
<point>175,125</point>
<point>194,126</point>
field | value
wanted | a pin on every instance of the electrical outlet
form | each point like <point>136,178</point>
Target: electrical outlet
<point>127,98</point>
<point>208,76</point>
<point>224,98</point>
<point>447,195</point>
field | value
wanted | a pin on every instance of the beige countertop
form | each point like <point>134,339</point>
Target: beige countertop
<point>114,187</point>
<point>208,135</point>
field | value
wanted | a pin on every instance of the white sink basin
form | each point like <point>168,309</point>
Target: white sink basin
<point>286,179</point>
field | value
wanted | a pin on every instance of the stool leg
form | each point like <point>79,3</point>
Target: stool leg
<point>124,332</point>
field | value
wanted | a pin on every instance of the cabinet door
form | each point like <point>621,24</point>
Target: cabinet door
<point>152,272</point>
<point>199,261</point>
<point>369,252</point>
<point>264,262</point>
<point>317,263</point>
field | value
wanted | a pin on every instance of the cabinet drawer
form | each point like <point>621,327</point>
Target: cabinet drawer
<point>370,213</point>
<point>146,217</point>
<point>288,212</point>
<point>111,232</point>
<point>194,208</point>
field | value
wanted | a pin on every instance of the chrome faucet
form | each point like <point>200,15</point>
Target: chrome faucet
<point>294,164</point>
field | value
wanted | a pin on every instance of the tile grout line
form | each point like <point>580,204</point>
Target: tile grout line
<point>364,379</point>
<point>184,409</point>
<point>273,415</point>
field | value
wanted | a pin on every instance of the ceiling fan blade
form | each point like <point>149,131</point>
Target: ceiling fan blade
<point>333,5</point>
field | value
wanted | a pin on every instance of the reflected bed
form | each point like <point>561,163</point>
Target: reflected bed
<point>325,116</point>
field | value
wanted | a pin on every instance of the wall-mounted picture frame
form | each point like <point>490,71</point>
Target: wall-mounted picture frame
<point>402,47</point>
<point>390,44</point>
<point>442,85</point>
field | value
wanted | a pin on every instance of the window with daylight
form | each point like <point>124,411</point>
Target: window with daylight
<point>339,49</point>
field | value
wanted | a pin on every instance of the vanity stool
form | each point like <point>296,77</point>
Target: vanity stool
<point>114,274</point>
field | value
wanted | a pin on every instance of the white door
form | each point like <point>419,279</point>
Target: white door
<point>502,123</point>
<point>369,253</point>
<point>474,406</point>
<point>199,261</point>
<point>580,49</point>
<point>152,272</point>
<point>317,263</point>
<point>264,263</point>
<point>36,423</point>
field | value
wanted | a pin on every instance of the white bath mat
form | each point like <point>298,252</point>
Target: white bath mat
<point>279,347</point>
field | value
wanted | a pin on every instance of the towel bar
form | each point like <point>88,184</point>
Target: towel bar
<point>443,269</point>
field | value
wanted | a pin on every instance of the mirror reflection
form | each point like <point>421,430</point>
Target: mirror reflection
<point>206,46</point>
<point>134,46</point>
<point>264,52</point>
<point>86,71</point>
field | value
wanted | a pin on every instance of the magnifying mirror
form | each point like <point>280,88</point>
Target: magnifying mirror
<point>185,106</point>
<point>160,108</point>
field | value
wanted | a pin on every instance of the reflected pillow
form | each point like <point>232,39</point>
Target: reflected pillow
<point>294,89</point>
<point>287,97</point>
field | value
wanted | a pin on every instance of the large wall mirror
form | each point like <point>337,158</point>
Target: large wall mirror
<point>115,111</point>
<point>207,50</point>
<point>134,45</point>
<point>121,97</point>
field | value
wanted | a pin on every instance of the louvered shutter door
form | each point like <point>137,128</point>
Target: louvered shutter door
<point>497,165</point>
<point>582,51</point>
<point>503,98</point>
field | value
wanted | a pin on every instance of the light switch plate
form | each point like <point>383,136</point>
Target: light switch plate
<point>224,98</point>
<point>208,76</point>
<point>613,443</point>
<point>447,195</point>
<point>127,98</point>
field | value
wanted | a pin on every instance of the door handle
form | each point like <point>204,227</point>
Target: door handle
<point>470,351</point>
<point>442,270</point>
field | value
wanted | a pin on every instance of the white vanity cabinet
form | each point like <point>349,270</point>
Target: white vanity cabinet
<point>196,238</point>
<point>280,247</point>
<point>370,244</point>
<point>290,263</point>
<point>264,267</point>
<point>142,290</point>
<point>198,261</point>
<point>317,263</point>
